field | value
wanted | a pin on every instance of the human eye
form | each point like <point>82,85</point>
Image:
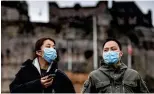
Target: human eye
<point>113,48</point>
<point>105,50</point>
<point>48,46</point>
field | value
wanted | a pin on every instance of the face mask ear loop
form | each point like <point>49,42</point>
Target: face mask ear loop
<point>42,53</point>
<point>38,51</point>
<point>119,57</point>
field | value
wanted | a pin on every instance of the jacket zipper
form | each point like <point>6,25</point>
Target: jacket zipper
<point>123,87</point>
<point>43,91</point>
<point>111,88</point>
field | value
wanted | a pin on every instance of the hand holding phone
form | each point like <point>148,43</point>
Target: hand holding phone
<point>46,81</point>
<point>51,76</point>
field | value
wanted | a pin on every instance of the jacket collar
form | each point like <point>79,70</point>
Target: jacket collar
<point>37,65</point>
<point>109,70</point>
<point>111,67</point>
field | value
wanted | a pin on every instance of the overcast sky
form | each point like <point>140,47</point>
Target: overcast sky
<point>39,12</point>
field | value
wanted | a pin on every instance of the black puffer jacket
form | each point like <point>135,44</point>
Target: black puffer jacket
<point>107,79</point>
<point>27,80</point>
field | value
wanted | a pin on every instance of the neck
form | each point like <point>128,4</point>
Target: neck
<point>117,64</point>
<point>43,63</point>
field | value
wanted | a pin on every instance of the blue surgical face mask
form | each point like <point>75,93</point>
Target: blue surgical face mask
<point>50,54</point>
<point>111,57</point>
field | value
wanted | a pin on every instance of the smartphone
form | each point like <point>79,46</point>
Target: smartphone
<point>51,75</point>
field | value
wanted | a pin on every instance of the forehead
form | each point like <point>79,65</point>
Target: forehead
<point>110,44</point>
<point>48,42</point>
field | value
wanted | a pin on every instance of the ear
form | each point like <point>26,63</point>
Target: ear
<point>121,54</point>
<point>39,53</point>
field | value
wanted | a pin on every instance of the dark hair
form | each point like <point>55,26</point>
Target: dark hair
<point>112,39</point>
<point>39,43</point>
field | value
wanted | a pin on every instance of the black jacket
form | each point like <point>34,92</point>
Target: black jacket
<point>107,79</point>
<point>27,80</point>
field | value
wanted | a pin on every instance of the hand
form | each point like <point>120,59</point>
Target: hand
<point>46,81</point>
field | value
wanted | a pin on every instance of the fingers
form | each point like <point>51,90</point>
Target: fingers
<point>47,84</point>
<point>45,77</point>
<point>48,80</point>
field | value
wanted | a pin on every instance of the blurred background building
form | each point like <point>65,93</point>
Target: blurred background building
<point>72,28</point>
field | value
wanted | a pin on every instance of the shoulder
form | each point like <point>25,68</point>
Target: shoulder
<point>131,71</point>
<point>131,74</point>
<point>95,73</point>
<point>25,66</point>
<point>58,71</point>
<point>28,62</point>
<point>61,74</point>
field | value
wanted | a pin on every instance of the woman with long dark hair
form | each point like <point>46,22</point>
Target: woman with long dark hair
<point>41,75</point>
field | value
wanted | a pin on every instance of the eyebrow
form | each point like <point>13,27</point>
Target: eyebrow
<point>48,44</point>
<point>106,48</point>
<point>109,47</point>
<point>52,45</point>
<point>113,46</point>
